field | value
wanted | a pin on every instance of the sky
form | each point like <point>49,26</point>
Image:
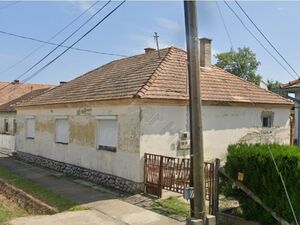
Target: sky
<point>131,28</point>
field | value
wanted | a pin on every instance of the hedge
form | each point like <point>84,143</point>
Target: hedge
<point>261,177</point>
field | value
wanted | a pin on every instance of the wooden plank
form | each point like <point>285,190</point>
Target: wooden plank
<point>254,197</point>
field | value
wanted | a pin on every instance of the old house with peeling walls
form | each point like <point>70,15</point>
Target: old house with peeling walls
<point>293,87</point>
<point>99,125</point>
<point>12,94</point>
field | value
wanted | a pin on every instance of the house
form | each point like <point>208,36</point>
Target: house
<point>99,125</point>
<point>293,87</point>
<point>12,94</point>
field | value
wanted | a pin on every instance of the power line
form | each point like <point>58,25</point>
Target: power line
<point>54,36</point>
<point>63,46</point>
<point>9,5</point>
<point>261,44</point>
<point>37,63</point>
<point>224,24</point>
<point>228,35</point>
<point>78,40</point>
<point>259,30</point>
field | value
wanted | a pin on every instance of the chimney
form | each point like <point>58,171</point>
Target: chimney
<point>205,52</point>
<point>16,82</point>
<point>149,50</point>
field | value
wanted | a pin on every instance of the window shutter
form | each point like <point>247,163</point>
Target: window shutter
<point>30,131</point>
<point>62,131</point>
<point>108,133</point>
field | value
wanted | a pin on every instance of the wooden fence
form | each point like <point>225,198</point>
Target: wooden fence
<point>170,173</point>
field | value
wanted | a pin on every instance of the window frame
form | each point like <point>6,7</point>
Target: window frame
<point>58,118</point>
<point>269,115</point>
<point>98,144</point>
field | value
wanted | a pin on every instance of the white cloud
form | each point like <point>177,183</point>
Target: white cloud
<point>169,24</point>
<point>81,6</point>
<point>84,5</point>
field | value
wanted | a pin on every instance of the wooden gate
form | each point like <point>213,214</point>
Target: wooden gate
<point>170,173</point>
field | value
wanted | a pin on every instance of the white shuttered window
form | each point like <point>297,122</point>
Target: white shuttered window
<point>108,133</point>
<point>62,130</point>
<point>30,128</point>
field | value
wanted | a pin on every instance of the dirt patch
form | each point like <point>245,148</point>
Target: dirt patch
<point>24,200</point>
<point>9,210</point>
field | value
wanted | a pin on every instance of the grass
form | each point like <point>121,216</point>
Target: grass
<point>172,205</point>
<point>57,201</point>
<point>6,213</point>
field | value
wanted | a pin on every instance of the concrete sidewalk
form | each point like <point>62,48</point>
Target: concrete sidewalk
<point>105,207</point>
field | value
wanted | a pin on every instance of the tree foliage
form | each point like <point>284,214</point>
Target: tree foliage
<point>274,86</point>
<point>242,63</point>
<point>261,177</point>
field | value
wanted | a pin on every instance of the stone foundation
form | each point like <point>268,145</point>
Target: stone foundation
<point>24,200</point>
<point>94,176</point>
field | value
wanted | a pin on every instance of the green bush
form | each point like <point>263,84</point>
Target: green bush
<point>261,177</point>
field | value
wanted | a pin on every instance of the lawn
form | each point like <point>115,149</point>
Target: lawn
<point>55,200</point>
<point>9,210</point>
<point>172,205</point>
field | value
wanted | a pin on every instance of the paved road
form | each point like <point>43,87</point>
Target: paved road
<point>105,207</point>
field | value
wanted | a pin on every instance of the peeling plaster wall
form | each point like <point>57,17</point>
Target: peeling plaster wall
<point>223,125</point>
<point>81,150</point>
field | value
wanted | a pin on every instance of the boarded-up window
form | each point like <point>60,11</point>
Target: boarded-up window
<point>62,130</point>
<point>107,133</point>
<point>30,128</point>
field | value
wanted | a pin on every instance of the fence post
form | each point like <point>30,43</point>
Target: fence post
<point>216,188</point>
<point>160,178</point>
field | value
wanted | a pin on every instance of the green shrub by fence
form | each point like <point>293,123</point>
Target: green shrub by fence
<point>260,176</point>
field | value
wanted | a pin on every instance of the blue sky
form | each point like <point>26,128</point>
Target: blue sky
<point>131,28</point>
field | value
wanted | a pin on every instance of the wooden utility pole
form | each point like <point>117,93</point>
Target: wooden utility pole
<point>197,156</point>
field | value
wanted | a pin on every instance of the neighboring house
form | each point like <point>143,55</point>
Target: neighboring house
<point>106,119</point>
<point>293,87</point>
<point>12,94</point>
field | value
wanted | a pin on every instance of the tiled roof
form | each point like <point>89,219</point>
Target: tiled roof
<point>291,85</point>
<point>147,76</point>
<point>11,91</point>
<point>10,106</point>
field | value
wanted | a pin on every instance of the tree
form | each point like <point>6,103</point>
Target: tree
<point>274,86</point>
<point>242,63</point>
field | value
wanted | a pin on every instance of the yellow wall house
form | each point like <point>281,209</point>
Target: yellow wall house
<point>99,125</point>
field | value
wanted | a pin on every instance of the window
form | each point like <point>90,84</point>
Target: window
<point>30,128</point>
<point>62,130</point>
<point>107,133</point>
<point>5,129</point>
<point>267,119</point>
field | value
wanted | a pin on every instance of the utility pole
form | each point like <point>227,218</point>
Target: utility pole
<point>197,154</point>
<point>157,45</point>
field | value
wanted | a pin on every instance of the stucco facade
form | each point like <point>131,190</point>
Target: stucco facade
<point>222,125</point>
<point>143,128</point>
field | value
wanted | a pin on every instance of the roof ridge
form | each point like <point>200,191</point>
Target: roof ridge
<point>256,86</point>
<point>141,93</point>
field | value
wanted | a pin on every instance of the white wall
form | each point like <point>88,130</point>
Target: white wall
<point>81,150</point>
<point>146,128</point>
<point>223,125</point>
